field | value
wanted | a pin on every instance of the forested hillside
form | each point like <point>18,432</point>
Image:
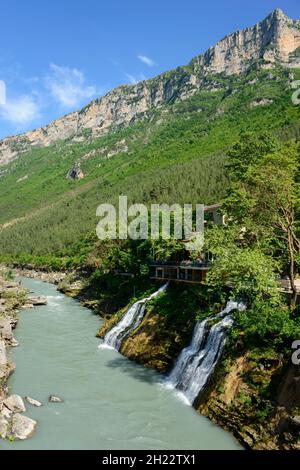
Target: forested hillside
<point>175,155</point>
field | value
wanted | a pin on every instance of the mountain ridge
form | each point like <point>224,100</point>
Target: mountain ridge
<point>271,41</point>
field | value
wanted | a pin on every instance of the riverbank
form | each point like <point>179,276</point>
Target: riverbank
<point>43,275</point>
<point>254,394</point>
<point>14,424</point>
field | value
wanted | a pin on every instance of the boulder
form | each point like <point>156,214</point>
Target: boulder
<point>22,427</point>
<point>33,402</point>
<point>55,399</point>
<point>27,306</point>
<point>36,301</point>
<point>15,403</point>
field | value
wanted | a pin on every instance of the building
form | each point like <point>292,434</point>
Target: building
<point>181,268</point>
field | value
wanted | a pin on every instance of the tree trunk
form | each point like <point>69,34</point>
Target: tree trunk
<point>292,269</point>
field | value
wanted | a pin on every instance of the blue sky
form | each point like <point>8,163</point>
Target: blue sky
<point>57,55</point>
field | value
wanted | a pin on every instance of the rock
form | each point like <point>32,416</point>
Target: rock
<point>6,413</point>
<point>33,402</point>
<point>3,360</point>
<point>14,322</point>
<point>75,173</point>
<point>295,420</point>
<point>12,285</point>
<point>22,427</point>
<point>3,427</point>
<point>55,399</point>
<point>3,393</point>
<point>14,343</point>
<point>288,437</point>
<point>289,389</point>
<point>15,403</point>
<point>36,301</point>
<point>3,357</point>
<point>261,102</point>
<point>5,329</point>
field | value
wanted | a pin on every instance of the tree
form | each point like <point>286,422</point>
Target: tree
<point>247,271</point>
<point>264,196</point>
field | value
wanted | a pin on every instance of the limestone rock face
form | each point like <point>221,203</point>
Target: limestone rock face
<point>277,38</point>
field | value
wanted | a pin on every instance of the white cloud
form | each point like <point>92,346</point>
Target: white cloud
<point>146,60</point>
<point>20,111</point>
<point>133,79</point>
<point>68,87</point>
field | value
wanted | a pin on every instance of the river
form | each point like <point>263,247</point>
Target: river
<point>109,401</point>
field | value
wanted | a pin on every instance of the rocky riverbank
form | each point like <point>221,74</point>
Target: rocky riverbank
<point>13,423</point>
<point>256,396</point>
<point>43,275</point>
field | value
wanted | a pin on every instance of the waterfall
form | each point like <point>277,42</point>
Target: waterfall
<point>130,321</point>
<point>183,363</point>
<point>197,362</point>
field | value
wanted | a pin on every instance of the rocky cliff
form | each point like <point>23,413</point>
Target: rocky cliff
<point>274,40</point>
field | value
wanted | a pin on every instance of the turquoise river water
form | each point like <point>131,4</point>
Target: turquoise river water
<point>109,402</point>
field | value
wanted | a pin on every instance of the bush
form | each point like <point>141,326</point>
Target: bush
<point>264,324</point>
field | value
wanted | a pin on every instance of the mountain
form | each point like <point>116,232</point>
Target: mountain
<point>275,40</point>
<point>161,140</point>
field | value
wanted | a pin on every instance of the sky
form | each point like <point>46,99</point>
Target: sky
<point>58,55</point>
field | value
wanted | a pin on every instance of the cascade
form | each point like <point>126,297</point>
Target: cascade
<point>130,321</point>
